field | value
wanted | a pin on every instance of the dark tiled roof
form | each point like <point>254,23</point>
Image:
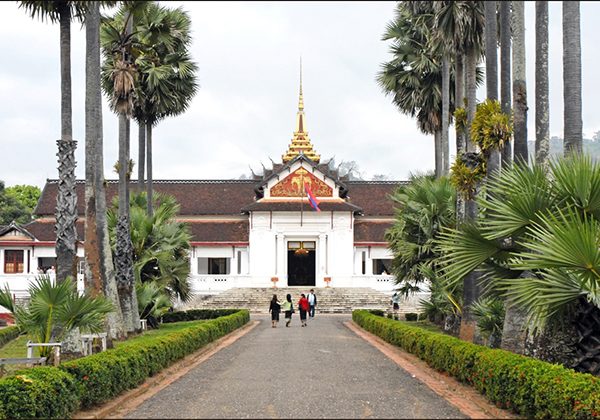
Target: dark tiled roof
<point>295,206</point>
<point>235,231</point>
<point>195,197</point>
<point>229,197</point>
<point>44,231</point>
<point>370,231</point>
<point>372,196</point>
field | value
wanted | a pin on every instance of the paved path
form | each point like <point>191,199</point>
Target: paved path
<point>321,371</point>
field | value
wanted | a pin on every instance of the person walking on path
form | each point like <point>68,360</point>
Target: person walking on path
<point>396,303</point>
<point>303,306</point>
<point>275,308</point>
<point>288,308</point>
<point>312,302</point>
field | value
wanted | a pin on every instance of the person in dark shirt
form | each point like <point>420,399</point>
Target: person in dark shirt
<point>275,308</point>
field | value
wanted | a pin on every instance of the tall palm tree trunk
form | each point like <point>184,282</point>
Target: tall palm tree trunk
<point>124,247</point>
<point>99,274</point>
<point>66,200</point>
<point>572,77</point>
<point>491,72</point>
<point>141,155</point>
<point>445,114</point>
<point>542,109</point>
<point>459,95</point>
<point>521,152</point>
<point>149,167</point>
<point>471,90</point>
<point>505,85</point>
<point>437,141</point>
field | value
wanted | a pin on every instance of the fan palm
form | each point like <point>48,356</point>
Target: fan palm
<point>153,302</point>
<point>414,76</point>
<point>166,80</point>
<point>160,245</point>
<point>424,208</point>
<point>538,246</point>
<point>572,77</point>
<point>55,310</point>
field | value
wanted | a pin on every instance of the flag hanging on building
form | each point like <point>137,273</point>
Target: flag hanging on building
<point>314,203</point>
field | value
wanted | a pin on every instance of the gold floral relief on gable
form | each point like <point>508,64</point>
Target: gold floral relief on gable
<point>292,185</point>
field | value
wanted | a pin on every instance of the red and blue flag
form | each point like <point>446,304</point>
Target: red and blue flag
<point>314,203</point>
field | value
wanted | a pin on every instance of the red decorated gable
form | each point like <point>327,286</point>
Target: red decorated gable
<point>292,185</point>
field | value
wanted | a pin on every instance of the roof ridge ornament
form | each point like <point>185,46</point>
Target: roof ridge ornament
<point>300,141</point>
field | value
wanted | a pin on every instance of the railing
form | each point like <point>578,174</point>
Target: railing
<point>206,283</point>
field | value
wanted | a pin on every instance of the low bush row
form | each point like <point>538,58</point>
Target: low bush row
<point>529,387</point>
<point>51,392</point>
<point>196,314</point>
<point>8,334</point>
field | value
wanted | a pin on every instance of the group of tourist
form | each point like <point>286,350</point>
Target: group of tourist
<point>306,306</point>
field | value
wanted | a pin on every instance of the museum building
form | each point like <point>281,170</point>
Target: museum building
<point>298,224</point>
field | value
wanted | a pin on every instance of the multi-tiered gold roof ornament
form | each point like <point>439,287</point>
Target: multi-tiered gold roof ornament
<point>301,142</point>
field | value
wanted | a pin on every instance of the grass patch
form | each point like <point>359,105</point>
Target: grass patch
<point>164,330</point>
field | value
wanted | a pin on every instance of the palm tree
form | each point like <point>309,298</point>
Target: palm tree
<point>100,276</point>
<point>542,110</point>
<point>491,72</point>
<point>160,244</point>
<point>122,76</point>
<point>505,86</point>
<point>66,202</point>
<point>166,80</point>
<point>537,247</point>
<point>519,82</point>
<point>414,76</point>
<point>55,310</point>
<point>572,77</point>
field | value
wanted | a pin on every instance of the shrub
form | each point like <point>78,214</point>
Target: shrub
<point>41,392</point>
<point>196,314</point>
<point>529,387</point>
<point>105,375</point>
<point>377,312</point>
<point>411,316</point>
<point>8,334</point>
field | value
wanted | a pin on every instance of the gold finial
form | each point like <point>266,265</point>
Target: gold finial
<point>301,100</point>
<point>301,142</point>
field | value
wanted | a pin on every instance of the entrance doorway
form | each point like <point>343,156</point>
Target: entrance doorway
<point>301,263</point>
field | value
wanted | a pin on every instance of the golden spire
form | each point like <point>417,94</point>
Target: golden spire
<point>301,142</point>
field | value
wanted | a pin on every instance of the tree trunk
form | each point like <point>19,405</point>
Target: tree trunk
<point>99,272</point>
<point>66,200</point>
<point>471,88</point>
<point>437,141</point>
<point>445,114</point>
<point>521,152</point>
<point>505,85</point>
<point>459,95</point>
<point>141,155</point>
<point>542,110</point>
<point>491,50</point>
<point>149,168</point>
<point>572,78</point>
<point>124,246</point>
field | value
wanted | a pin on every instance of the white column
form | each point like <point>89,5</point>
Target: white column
<point>322,248</point>
<point>280,257</point>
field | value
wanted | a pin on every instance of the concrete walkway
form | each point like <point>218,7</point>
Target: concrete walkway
<point>321,371</point>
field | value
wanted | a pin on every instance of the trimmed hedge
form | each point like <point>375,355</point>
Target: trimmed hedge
<point>50,392</point>
<point>529,387</point>
<point>196,314</point>
<point>42,392</point>
<point>8,334</point>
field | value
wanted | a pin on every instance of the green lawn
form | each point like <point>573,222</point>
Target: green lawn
<point>163,330</point>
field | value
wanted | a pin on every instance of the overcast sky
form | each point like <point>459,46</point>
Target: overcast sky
<point>244,111</point>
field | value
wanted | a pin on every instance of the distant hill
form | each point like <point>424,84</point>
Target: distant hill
<point>590,146</point>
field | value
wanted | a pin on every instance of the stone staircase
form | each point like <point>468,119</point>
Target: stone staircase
<point>329,300</point>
